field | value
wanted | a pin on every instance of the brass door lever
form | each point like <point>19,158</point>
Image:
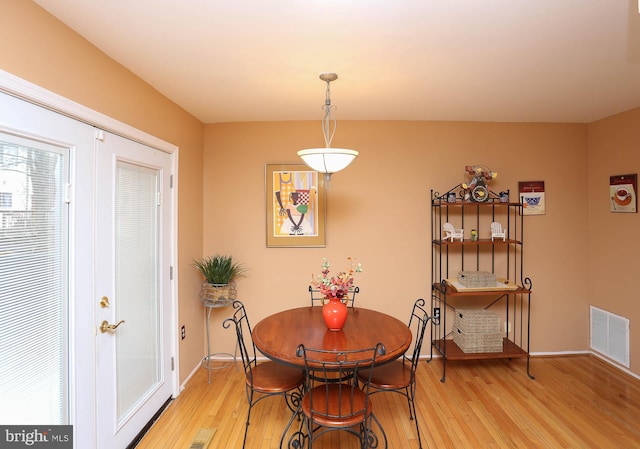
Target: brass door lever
<point>105,326</point>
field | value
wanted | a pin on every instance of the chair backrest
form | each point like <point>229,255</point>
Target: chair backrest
<point>330,396</point>
<point>317,298</point>
<point>498,231</point>
<point>448,227</point>
<point>418,324</point>
<point>240,321</point>
<point>451,232</point>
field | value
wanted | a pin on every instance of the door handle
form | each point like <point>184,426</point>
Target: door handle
<point>105,326</point>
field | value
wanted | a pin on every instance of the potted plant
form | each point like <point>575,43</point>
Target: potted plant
<point>220,273</point>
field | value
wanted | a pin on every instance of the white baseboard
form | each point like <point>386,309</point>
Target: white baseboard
<point>614,364</point>
<point>191,374</point>
<point>559,353</point>
<point>569,353</point>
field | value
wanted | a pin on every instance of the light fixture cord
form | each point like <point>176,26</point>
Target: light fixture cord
<point>328,119</point>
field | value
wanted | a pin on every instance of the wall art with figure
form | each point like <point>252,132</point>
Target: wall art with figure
<point>295,198</point>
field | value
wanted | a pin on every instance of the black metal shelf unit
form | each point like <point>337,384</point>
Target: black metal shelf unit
<point>511,298</point>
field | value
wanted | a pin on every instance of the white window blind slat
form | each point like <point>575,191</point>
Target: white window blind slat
<point>136,266</point>
<point>33,278</point>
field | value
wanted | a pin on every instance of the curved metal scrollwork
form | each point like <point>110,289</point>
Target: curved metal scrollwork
<point>297,441</point>
<point>443,286</point>
<point>372,440</point>
<point>293,399</point>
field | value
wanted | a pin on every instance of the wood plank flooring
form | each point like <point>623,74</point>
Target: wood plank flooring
<point>574,402</point>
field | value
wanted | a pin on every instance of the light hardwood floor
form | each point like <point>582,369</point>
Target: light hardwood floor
<point>574,402</point>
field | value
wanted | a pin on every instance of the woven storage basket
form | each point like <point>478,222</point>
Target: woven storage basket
<point>477,343</point>
<point>474,321</point>
<point>476,279</point>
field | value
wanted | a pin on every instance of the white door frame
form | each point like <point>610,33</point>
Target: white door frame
<point>32,93</point>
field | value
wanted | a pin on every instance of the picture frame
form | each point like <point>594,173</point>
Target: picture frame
<point>296,205</point>
<point>623,193</point>
<point>532,197</point>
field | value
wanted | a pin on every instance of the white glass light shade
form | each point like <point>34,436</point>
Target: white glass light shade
<point>327,160</point>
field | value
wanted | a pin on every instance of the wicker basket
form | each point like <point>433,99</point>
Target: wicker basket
<point>477,321</point>
<point>217,293</point>
<point>476,279</point>
<point>477,343</point>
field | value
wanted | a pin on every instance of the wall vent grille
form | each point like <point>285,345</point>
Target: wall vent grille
<point>610,335</point>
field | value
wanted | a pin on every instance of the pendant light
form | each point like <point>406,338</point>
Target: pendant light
<point>328,160</point>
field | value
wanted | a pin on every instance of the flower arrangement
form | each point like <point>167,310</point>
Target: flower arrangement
<point>335,286</point>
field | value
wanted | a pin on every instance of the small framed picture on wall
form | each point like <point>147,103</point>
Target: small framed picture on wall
<point>295,197</point>
<point>532,197</point>
<point>623,191</point>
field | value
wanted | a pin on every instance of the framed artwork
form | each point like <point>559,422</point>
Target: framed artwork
<point>295,197</point>
<point>623,191</point>
<point>532,197</point>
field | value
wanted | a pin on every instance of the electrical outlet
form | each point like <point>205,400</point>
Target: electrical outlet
<point>507,327</point>
<point>183,333</point>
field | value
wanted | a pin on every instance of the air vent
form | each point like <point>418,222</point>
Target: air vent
<point>610,335</point>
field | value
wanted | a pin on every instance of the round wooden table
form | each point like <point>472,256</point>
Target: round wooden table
<point>278,336</point>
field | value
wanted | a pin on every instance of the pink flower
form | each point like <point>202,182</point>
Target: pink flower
<point>335,286</point>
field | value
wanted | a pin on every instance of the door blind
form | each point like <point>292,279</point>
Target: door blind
<point>136,282</point>
<point>33,283</point>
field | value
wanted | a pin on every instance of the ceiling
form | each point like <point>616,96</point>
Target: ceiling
<point>477,60</point>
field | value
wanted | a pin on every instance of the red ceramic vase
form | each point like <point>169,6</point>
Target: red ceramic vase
<point>335,314</point>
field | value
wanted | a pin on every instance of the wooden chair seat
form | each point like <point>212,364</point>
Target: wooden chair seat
<point>391,376</point>
<point>331,410</point>
<point>273,378</point>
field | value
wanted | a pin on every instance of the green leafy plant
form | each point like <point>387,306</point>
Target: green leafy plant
<point>219,269</point>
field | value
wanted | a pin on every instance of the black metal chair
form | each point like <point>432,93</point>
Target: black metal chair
<point>331,404</point>
<point>318,299</point>
<point>267,378</point>
<point>400,376</point>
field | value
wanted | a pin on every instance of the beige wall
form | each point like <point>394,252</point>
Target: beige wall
<point>614,238</point>
<point>38,48</point>
<point>378,211</point>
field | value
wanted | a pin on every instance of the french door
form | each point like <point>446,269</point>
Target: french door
<point>88,214</point>
<point>47,254</point>
<point>133,287</point>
